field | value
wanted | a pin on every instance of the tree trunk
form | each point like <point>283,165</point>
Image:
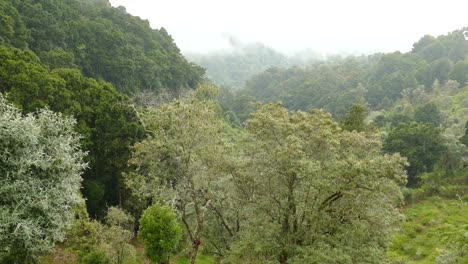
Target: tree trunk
<point>194,252</point>
<point>196,241</point>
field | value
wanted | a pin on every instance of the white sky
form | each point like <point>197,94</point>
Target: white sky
<point>326,26</point>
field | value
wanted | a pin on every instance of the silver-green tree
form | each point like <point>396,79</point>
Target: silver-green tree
<point>182,163</point>
<point>40,168</point>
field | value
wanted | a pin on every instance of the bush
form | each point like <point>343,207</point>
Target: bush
<point>96,257</point>
<point>160,232</point>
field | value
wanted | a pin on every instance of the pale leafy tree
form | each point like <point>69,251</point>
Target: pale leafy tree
<point>40,168</point>
<point>181,162</point>
<point>312,192</point>
<point>116,236</point>
<point>108,242</point>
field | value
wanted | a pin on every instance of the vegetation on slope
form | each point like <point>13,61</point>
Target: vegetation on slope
<point>103,42</point>
<point>291,186</point>
<point>435,231</point>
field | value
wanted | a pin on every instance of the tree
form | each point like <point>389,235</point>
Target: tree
<point>428,113</point>
<point>440,69</point>
<point>104,42</point>
<point>41,165</point>
<point>183,161</point>
<point>117,232</point>
<point>464,138</point>
<point>160,232</point>
<point>95,257</point>
<point>421,143</point>
<point>423,42</point>
<point>313,193</point>
<point>354,119</point>
<point>459,72</point>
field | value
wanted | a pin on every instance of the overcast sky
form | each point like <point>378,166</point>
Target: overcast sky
<point>326,26</point>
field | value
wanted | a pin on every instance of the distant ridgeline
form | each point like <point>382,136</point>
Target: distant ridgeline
<point>103,42</point>
<point>233,67</point>
<point>377,80</point>
<point>68,55</point>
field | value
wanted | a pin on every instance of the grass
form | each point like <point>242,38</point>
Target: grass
<point>433,228</point>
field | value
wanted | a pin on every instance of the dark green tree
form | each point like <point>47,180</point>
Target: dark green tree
<point>464,138</point>
<point>13,31</point>
<point>440,69</point>
<point>423,42</point>
<point>354,119</point>
<point>459,72</point>
<point>428,113</point>
<point>421,143</point>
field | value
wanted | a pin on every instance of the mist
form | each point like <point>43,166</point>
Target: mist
<point>351,27</point>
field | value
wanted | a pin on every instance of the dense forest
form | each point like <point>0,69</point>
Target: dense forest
<point>114,148</point>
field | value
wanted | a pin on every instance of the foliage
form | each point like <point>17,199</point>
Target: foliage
<point>102,41</point>
<point>160,232</point>
<point>41,166</point>
<point>439,184</point>
<point>117,233</point>
<point>93,240</point>
<point>201,259</point>
<point>377,81</point>
<point>428,113</point>
<point>421,143</point>
<point>181,162</point>
<point>354,119</point>
<point>83,235</point>
<point>309,189</point>
<point>95,257</point>
<point>464,138</point>
<point>13,31</point>
<point>106,121</point>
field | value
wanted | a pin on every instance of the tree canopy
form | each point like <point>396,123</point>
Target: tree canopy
<point>285,194</point>
<point>102,41</point>
<point>108,123</point>
<point>421,143</point>
<point>160,232</point>
<point>41,165</point>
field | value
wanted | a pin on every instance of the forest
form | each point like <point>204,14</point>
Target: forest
<point>115,148</point>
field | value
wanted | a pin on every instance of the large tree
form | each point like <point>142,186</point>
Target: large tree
<point>40,168</point>
<point>313,193</point>
<point>182,162</point>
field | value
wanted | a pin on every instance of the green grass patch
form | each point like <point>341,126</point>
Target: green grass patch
<point>435,230</point>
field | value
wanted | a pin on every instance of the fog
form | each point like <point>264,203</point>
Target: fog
<point>331,26</point>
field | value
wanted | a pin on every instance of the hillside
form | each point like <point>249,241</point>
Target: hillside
<point>79,57</point>
<point>377,80</point>
<point>115,149</point>
<point>103,42</point>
